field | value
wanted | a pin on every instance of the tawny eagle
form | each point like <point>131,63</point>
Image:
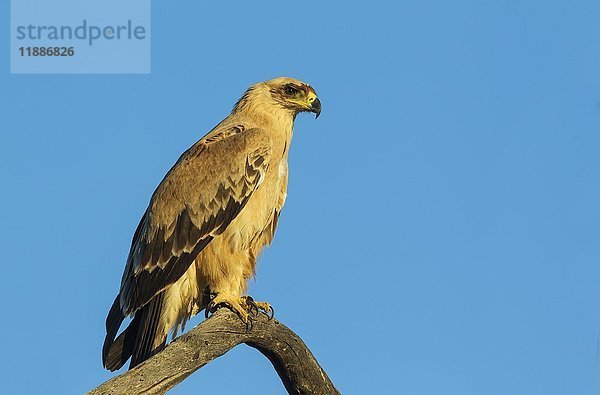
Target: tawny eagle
<point>196,245</point>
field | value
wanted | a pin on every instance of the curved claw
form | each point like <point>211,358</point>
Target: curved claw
<point>252,305</point>
<point>249,325</point>
<point>212,308</point>
<point>272,311</point>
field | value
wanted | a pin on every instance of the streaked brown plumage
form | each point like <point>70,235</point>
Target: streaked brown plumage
<point>208,220</point>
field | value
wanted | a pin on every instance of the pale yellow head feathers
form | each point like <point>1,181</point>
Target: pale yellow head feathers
<point>287,94</point>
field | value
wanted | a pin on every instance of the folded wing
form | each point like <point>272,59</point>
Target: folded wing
<point>198,198</point>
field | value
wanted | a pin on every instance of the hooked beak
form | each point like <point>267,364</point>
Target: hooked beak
<point>315,107</point>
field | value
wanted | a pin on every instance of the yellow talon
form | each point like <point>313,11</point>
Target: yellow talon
<point>243,306</point>
<point>234,303</point>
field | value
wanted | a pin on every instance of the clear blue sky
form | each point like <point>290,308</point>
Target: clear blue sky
<point>441,234</point>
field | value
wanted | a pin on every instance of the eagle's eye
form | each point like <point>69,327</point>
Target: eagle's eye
<point>290,90</point>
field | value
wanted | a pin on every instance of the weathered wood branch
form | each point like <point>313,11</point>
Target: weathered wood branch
<point>296,366</point>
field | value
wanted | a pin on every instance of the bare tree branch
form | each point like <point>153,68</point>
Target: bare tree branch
<point>296,366</point>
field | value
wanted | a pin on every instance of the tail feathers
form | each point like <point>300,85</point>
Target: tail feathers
<point>113,322</point>
<point>151,336</point>
<point>143,337</point>
<point>121,349</point>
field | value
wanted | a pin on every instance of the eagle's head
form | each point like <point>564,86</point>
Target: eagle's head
<point>288,94</point>
<point>294,95</point>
